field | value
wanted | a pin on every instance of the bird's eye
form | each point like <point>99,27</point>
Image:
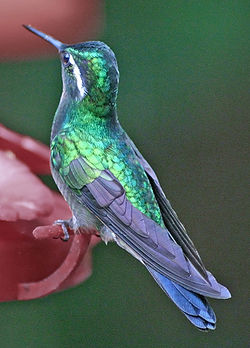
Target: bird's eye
<point>66,58</point>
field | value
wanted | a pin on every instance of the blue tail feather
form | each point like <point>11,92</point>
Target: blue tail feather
<point>194,306</point>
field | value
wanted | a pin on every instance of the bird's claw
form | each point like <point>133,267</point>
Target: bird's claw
<point>65,224</point>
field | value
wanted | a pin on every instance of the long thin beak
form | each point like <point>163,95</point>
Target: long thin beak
<point>58,44</point>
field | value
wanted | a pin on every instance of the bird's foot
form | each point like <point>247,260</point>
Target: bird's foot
<point>65,224</point>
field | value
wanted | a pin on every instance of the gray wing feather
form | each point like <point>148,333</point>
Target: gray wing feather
<point>149,240</point>
<point>105,198</point>
<point>170,218</point>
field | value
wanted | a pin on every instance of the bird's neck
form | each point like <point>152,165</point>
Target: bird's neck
<point>87,115</point>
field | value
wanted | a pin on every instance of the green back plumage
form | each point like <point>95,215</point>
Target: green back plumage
<point>104,148</point>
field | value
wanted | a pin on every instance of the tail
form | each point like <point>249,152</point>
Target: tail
<point>194,306</point>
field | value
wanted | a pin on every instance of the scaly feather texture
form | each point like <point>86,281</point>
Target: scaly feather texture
<point>111,187</point>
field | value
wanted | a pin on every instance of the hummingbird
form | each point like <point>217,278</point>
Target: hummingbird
<point>110,187</point>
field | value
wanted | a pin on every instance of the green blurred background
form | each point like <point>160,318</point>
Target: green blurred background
<point>183,98</point>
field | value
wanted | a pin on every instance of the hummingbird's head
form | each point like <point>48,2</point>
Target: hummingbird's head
<point>90,72</point>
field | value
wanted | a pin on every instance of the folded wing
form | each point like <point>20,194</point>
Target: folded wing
<point>105,197</point>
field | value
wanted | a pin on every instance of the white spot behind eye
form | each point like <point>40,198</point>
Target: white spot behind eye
<point>76,71</point>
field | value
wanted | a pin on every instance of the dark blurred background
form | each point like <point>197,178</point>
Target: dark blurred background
<point>184,99</point>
